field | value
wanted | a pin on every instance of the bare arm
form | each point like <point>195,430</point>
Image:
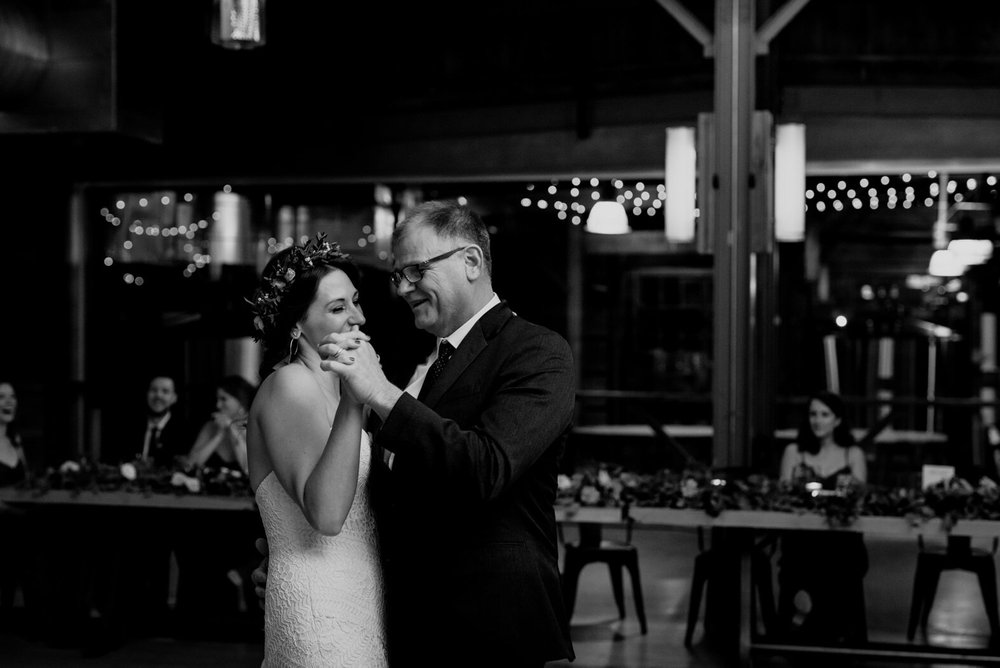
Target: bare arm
<point>236,433</point>
<point>315,462</point>
<point>788,462</point>
<point>207,442</point>
<point>857,462</point>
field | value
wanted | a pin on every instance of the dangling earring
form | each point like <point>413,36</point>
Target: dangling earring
<point>293,347</point>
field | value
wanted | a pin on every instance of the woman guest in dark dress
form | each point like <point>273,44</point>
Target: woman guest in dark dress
<point>13,469</point>
<point>13,465</point>
<point>821,576</point>
<point>222,440</point>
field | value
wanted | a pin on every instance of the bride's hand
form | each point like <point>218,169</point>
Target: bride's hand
<point>342,346</point>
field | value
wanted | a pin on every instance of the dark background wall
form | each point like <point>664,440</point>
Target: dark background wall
<point>126,91</point>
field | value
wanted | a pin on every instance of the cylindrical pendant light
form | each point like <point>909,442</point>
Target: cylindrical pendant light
<point>681,175</point>
<point>790,182</point>
<point>238,24</point>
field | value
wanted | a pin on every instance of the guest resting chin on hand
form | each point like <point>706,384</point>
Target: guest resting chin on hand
<point>222,439</point>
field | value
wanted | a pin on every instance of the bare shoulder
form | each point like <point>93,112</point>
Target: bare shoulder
<point>855,451</point>
<point>291,384</point>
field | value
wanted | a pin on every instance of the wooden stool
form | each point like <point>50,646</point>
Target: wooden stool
<point>958,555</point>
<point>616,555</point>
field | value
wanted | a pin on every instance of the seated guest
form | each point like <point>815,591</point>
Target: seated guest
<point>821,576</point>
<point>13,465</point>
<point>14,563</point>
<point>159,436</point>
<point>130,576</point>
<point>222,440</point>
<point>214,559</point>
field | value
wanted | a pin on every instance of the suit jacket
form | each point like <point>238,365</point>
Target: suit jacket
<point>470,546</point>
<point>174,439</point>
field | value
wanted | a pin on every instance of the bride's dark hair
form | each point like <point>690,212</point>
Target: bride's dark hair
<point>288,286</point>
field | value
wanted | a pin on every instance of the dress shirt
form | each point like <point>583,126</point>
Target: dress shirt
<point>455,339</point>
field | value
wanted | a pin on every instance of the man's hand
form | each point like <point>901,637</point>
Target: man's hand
<point>359,368</point>
<point>259,575</point>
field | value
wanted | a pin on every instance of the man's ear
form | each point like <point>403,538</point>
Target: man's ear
<point>475,263</point>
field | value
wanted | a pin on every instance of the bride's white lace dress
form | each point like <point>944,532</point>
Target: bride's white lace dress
<point>324,602</point>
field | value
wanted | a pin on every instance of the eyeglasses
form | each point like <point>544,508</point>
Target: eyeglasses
<point>414,272</point>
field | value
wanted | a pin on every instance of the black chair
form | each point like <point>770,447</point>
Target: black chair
<point>958,554</point>
<point>708,561</point>
<point>617,555</point>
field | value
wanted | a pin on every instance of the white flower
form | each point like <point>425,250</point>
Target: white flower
<point>128,471</point>
<point>193,485</point>
<point>589,495</point>
<point>563,481</point>
<point>69,466</point>
<point>603,478</point>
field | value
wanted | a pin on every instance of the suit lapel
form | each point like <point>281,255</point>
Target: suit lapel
<point>472,345</point>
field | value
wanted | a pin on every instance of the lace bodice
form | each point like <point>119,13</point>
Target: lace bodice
<point>324,602</point>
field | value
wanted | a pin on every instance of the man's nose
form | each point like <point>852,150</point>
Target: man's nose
<point>404,287</point>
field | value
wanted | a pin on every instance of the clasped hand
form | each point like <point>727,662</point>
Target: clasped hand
<point>351,356</point>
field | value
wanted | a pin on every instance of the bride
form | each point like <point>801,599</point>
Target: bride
<point>309,459</point>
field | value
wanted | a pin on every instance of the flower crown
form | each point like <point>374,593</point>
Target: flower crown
<point>266,302</point>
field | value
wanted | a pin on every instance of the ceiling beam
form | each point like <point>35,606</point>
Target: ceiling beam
<point>776,22</point>
<point>690,23</point>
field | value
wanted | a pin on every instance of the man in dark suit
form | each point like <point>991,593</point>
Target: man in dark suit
<point>130,578</point>
<point>471,449</point>
<point>160,435</point>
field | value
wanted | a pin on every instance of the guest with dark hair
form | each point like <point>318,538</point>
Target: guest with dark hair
<point>14,561</point>
<point>821,576</point>
<point>222,441</point>
<point>13,463</point>
<point>825,448</point>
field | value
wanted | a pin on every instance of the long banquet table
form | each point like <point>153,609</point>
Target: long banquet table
<point>96,549</point>
<point>738,526</point>
<point>125,499</point>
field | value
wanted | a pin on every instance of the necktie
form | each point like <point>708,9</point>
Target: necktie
<point>445,351</point>
<point>152,440</point>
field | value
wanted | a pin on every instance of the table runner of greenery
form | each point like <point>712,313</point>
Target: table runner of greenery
<point>609,485</point>
<point>85,475</point>
<point>601,485</point>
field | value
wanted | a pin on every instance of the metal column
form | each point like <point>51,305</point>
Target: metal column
<point>735,26</point>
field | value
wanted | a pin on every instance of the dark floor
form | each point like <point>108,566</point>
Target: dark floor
<point>958,619</point>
